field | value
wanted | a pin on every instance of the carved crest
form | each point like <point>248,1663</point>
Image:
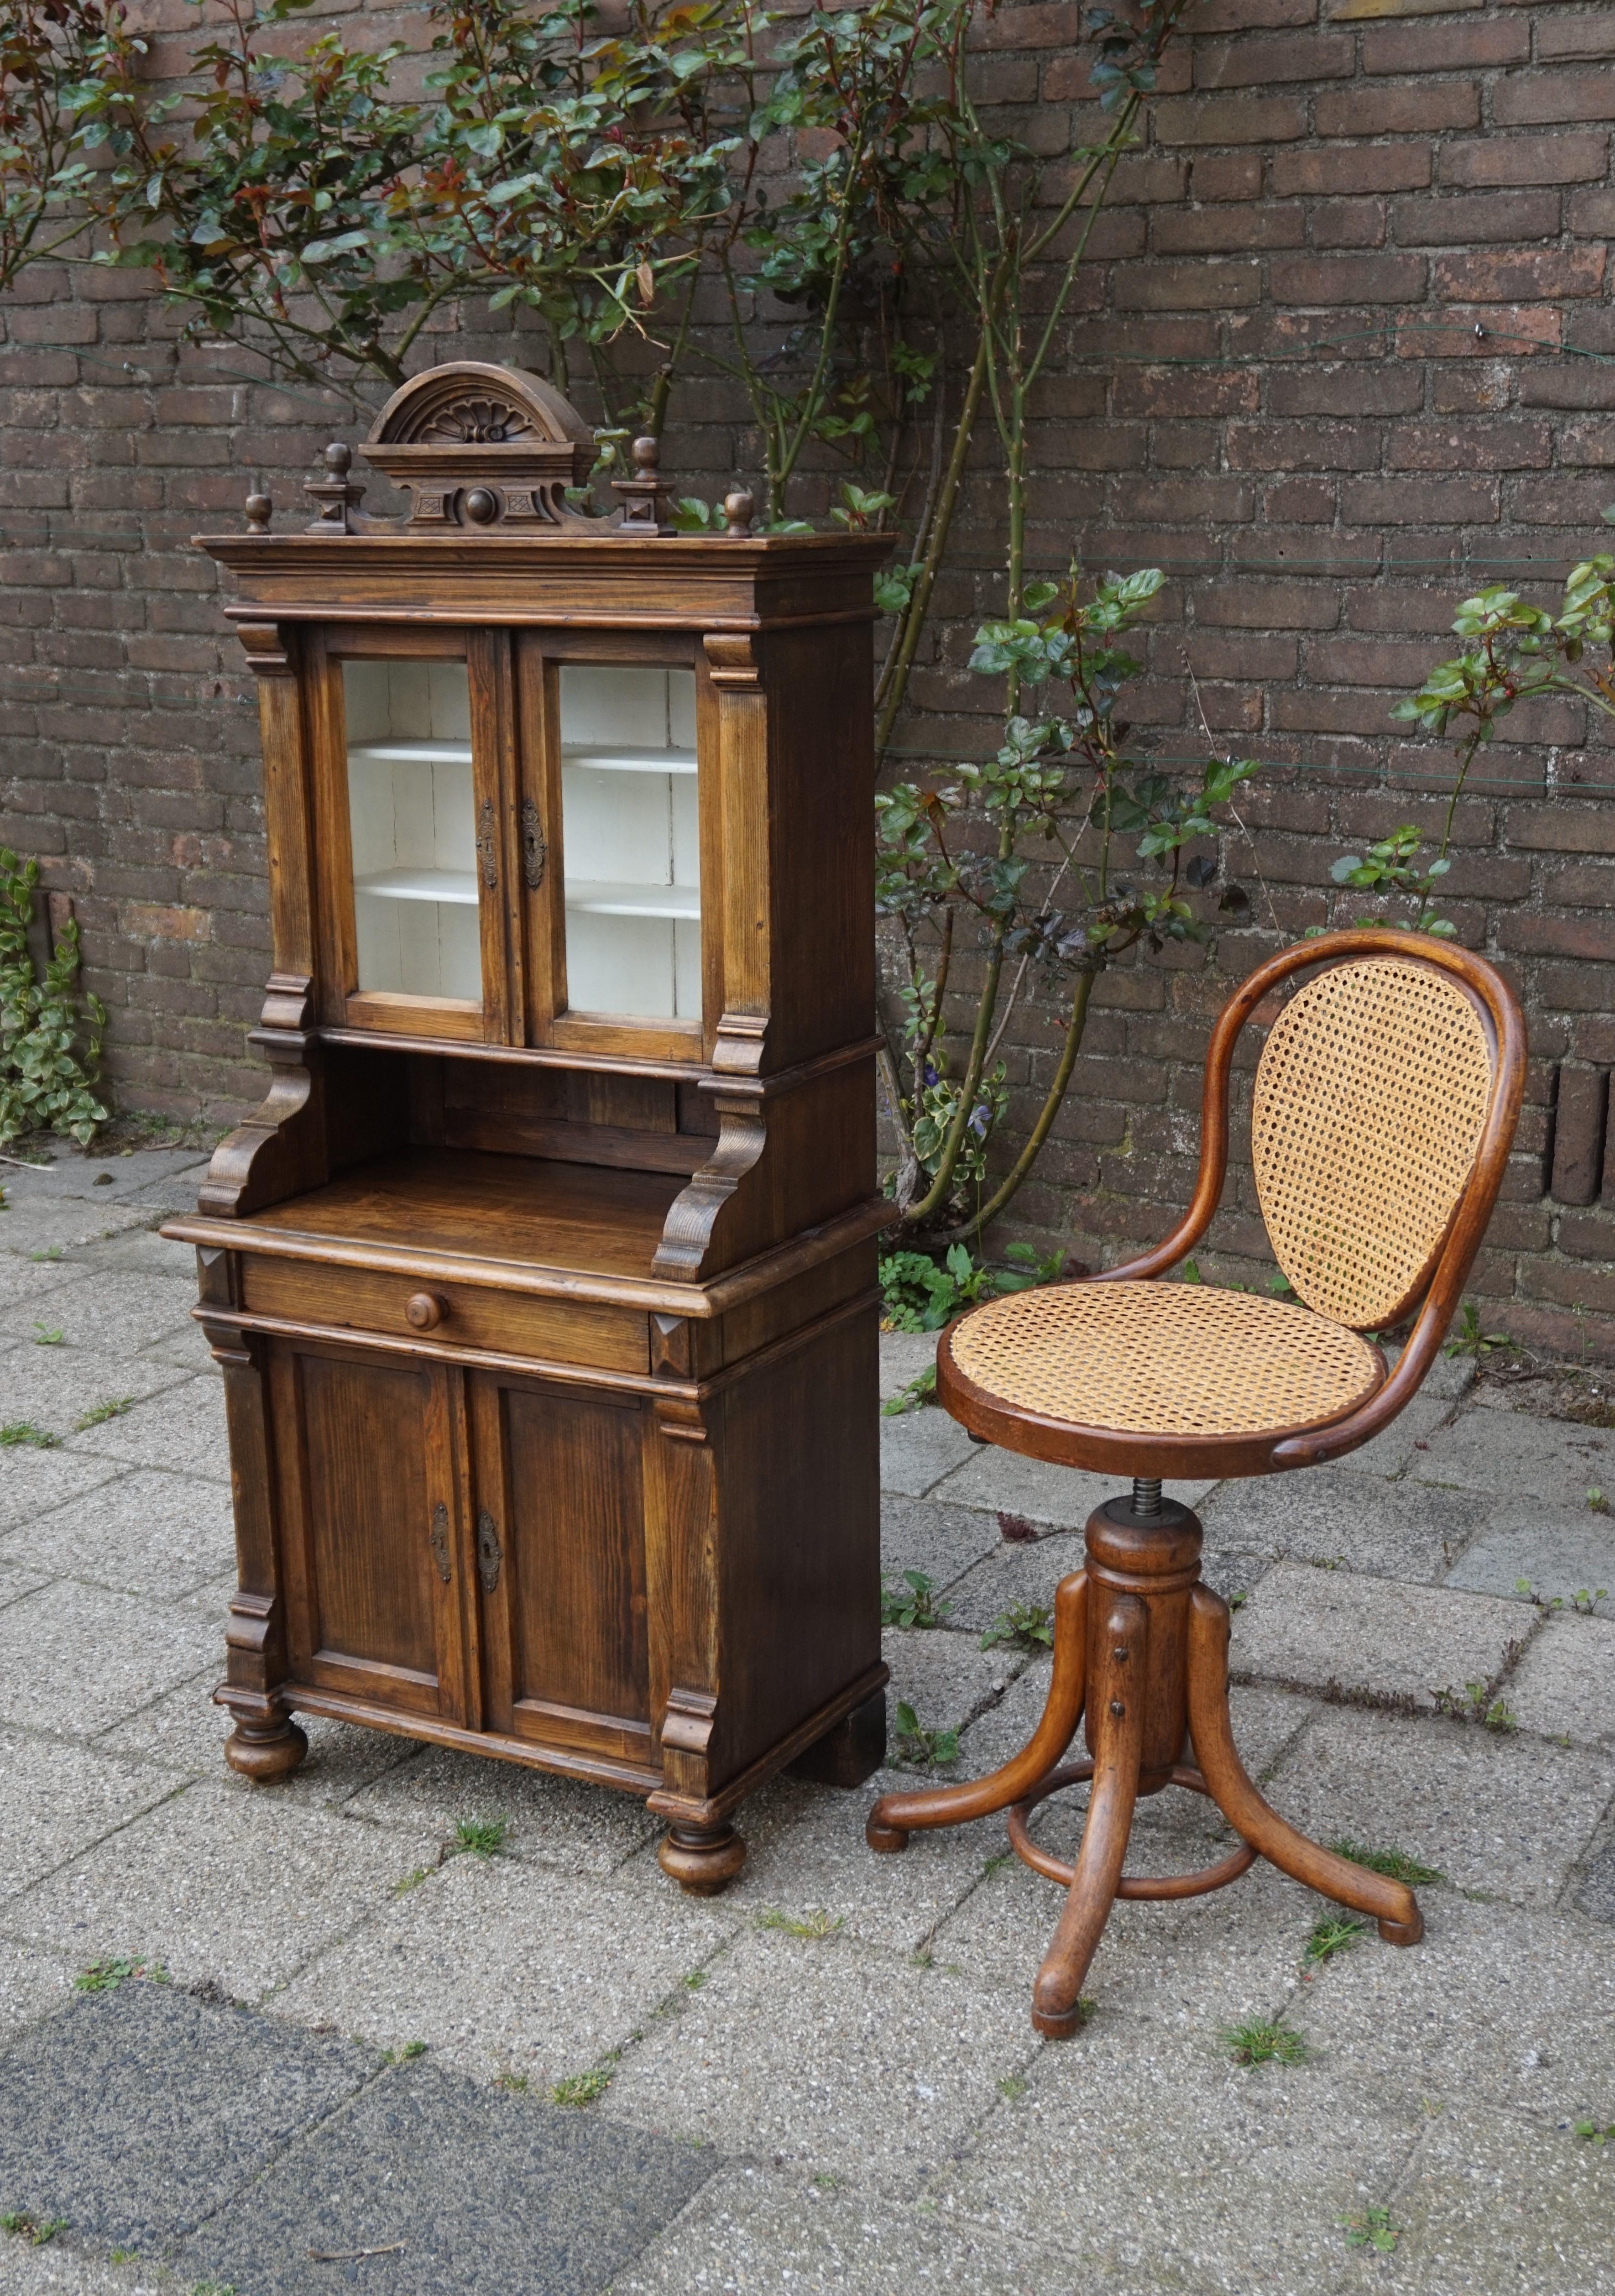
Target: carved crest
<point>484,447</point>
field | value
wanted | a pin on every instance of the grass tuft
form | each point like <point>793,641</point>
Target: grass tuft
<point>1258,2044</point>
<point>1395,1863</point>
<point>18,1431</point>
<point>581,2089</point>
<point>480,1837</point>
<point>1335,1934</point>
<point>36,2229</point>
<point>818,1923</point>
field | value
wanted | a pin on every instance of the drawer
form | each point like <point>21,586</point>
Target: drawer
<point>461,1315</point>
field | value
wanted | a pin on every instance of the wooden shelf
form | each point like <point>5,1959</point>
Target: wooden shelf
<point>598,897</point>
<point>627,759</point>
<point>456,885</point>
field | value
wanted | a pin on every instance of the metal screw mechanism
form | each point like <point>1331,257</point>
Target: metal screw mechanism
<point>1146,1495</point>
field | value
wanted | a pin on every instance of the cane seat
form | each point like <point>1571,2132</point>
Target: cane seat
<point>1168,1359</point>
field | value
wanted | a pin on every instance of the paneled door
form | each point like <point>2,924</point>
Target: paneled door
<point>374,1526</point>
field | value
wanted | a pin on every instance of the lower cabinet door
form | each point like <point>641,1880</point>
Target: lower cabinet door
<point>560,1549</point>
<point>374,1516</point>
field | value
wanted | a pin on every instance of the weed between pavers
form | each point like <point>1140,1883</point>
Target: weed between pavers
<point>1258,2043</point>
<point>479,1838</point>
<point>18,1431</point>
<point>585,2088</point>
<point>818,1923</point>
<point>920,1606</point>
<point>1014,2086</point>
<point>1582,1601</point>
<point>1590,2132</point>
<point>35,2230</point>
<point>1598,1503</point>
<point>406,2055</point>
<point>696,1981</point>
<point>925,1748</point>
<point>1469,1340</point>
<point>1474,1703</point>
<point>98,1413</point>
<point>1395,1863</point>
<point>1335,1934</point>
<point>1024,1626</point>
<point>101,1976</point>
<point>412,1881</point>
<point>47,1337</point>
<point>1373,2229</point>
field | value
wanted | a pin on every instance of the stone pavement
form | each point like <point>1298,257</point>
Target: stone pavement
<point>346,2037</point>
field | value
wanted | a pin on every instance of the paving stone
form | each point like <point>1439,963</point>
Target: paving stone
<point>1447,1378</point>
<point>1564,1687</point>
<point>510,1970</point>
<point>185,1732</point>
<point>64,1224</point>
<point>1596,1895</point>
<point>54,1386</point>
<point>77,1658</point>
<point>761,2233</point>
<point>482,2191</point>
<point>1234,2176</point>
<point>1337,1515</point>
<point>1062,1496</point>
<point>134,2112</point>
<point>561,1822</point>
<point>62,2267</point>
<point>1513,1456</point>
<point>68,1174</point>
<point>182,1428</point>
<point>825,2055</point>
<point>904,1355</point>
<point>1497,2005</point>
<point>918,1448</point>
<point>32,1481</point>
<point>32,1983</point>
<point>1510,1815</point>
<point>942,1541</point>
<point>22,1279</point>
<point>1562,1559</point>
<point>16,1581</point>
<point>1015,1575</point>
<point>1493,2202</point>
<point>144,1251</point>
<point>59,1798</point>
<point>114,1310</point>
<point>147,1533</point>
<point>945,1677</point>
<point>1334,1631</point>
<point>221,1889</point>
<point>806,1855</point>
<point>1405,1441</point>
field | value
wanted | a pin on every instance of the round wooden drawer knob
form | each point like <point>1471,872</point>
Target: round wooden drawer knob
<point>424,1309</point>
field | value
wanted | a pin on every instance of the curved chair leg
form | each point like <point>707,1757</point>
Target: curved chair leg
<point>1118,1749</point>
<point>895,1816</point>
<point>1392,1904</point>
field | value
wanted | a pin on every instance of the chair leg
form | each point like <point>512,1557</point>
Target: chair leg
<point>1392,1904</point>
<point>895,1816</point>
<point>1117,1734</point>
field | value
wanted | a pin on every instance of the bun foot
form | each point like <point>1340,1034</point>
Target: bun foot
<point>701,1859</point>
<point>881,1836</point>
<point>265,1755</point>
<point>1404,1932</point>
<point>1060,2024</point>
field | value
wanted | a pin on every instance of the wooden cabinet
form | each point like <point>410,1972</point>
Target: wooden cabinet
<point>543,1281</point>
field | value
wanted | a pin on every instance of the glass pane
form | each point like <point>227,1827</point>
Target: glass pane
<point>631,827</point>
<point>412,818</point>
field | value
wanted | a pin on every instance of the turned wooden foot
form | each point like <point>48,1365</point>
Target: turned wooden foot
<point>702,1859</point>
<point>895,1816</point>
<point>852,1752</point>
<point>265,1753</point>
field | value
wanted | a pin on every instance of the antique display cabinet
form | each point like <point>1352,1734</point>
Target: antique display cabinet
<point>543,1281</point>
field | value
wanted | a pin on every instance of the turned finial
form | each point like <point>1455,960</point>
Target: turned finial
<point>645,499</point>
<point>738,508</point>
<point>339,459</point>
<point>260,511</point>
<point>335,493</point>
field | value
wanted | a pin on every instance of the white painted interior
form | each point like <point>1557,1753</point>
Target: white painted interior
<point>412,816</point>
<point>631,826</point>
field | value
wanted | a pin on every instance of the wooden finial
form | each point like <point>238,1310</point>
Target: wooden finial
<point>738,508</point>
<point>338,497</point>
<point>645,499</point>
<point>260,510</point>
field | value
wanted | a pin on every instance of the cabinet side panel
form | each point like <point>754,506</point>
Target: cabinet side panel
<point>799,1538</point>
<point>576,1554</point>
<point>369,1518</point>
<point>821,831</point>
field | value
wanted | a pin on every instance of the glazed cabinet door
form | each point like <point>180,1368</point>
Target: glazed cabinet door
<point>560,1558</point>
<point>413,754</point>
<point>372,1481</point>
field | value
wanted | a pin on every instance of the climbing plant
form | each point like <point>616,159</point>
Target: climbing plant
<point>50,1028</point>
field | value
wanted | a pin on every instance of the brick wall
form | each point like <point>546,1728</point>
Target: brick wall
<point>1345,351</point>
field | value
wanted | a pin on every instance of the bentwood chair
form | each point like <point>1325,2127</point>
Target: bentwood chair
<point>1385,1102</point>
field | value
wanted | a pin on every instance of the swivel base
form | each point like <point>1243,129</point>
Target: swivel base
<point>1141,1648</point>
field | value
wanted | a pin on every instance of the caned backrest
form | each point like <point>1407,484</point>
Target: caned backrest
<point>1371,1095</point>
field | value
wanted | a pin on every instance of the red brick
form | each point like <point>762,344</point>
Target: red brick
<point>1517,273</point>
<point>1303,445</point>
<point>1269,605</point>
<point>1249,15</point>
<point>1226,229</point>
<point>1533,98</point>
<point>1593,215</point>
<point>1347,222</point>
<point>1374,167</point>
<point>1226,176</point>
<point>1587,442</point>
<point>1270,63</point>
<point>1581,158</point>
<point>1471,447</point>
<point>1397,110</point>
<point>1482,330</point>
<point>1445,47</point>
<point>1458,219</point>
<point>1358,387</point>
<point>1585,32</point>
<point>1233,120</point>
<point>1031,24</point>
<point>1420,502</point>
<point>1366,661</point>
<point>1567,501</point>
<point>1310,502</point>
<point>1591,937</point>
<point>1314,279</point>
